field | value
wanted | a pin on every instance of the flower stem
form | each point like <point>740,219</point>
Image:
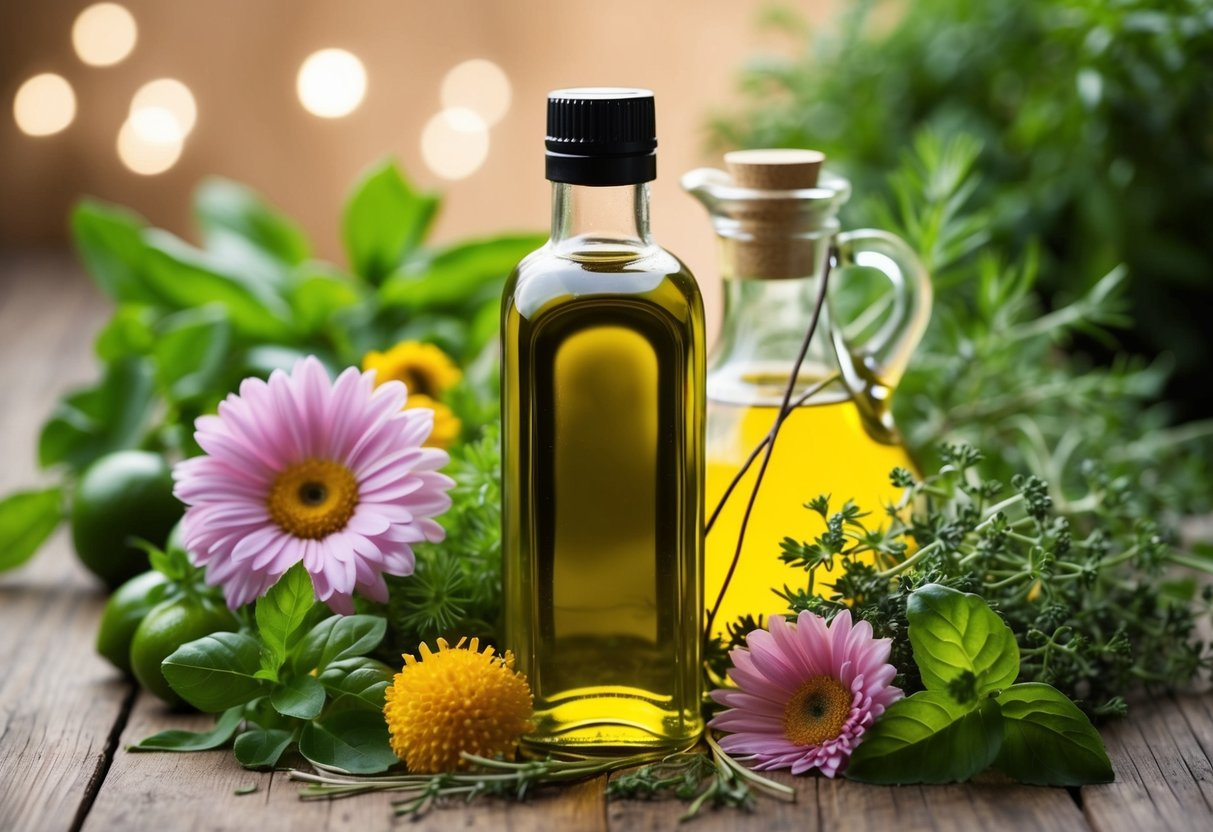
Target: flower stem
<point>785,409</point>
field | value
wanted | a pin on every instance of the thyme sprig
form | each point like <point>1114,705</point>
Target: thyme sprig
<point>691,775</point>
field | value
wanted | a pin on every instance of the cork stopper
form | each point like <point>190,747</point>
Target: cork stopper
<point>772,244</point>
<point>774,169</point>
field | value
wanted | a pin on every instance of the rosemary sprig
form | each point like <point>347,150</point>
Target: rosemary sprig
<point>692,775</point>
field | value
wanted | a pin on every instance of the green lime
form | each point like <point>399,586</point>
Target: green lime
<point>122,495</point>
<point>123,612</point>
<point>169,625</point>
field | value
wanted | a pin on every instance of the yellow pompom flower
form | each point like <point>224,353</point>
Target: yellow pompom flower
<point>424,369</point>
<point>455,700</point>
<point>446,423</point>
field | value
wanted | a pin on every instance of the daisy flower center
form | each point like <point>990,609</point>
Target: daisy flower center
<point>817,712</point>
<point>313,498</point>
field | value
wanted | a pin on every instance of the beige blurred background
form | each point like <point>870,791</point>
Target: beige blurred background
<point>240,59</point>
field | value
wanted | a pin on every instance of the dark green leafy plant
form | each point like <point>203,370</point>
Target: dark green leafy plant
<point>1087,594</point>
<point>299,678</point>
<point>972,715</point>
<point>1093,120</point>
<point>190,322</point>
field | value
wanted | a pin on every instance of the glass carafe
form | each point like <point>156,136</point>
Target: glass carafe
<point>775,216</point>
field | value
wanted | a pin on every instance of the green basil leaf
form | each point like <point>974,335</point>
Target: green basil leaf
<point>109,240</point>
<point>1048,741</point>
<point>458,275</point>
<point>301,697</point>
<point>928,738</point>
<point>216,672</point>
<point>227,211</point>
<point>27,519</point>
<point>109,416</point>
<point>354,742</point>
<point>177,740</point>
<point>383,221</point>
<point>261,748</point>
<point>184,277</point>
<point>952,632</point>
<point>336,638</point>
<point>357,682</point>
<point>281,614</point>
<point>191,351</point>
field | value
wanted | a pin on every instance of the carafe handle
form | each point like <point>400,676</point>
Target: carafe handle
<point>886,354</point>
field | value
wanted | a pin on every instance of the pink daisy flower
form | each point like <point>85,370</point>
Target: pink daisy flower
<point>330,473</point>
<point>806,692</point>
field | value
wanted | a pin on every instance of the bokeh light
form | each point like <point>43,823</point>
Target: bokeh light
<point>150,143</point>
<point>171,95</point>
<point>455,143</point>
<point>104,34</point>
<point>331,83</point>
<point>156,125</point>
<point>478,85</point>
<point>44,105</point>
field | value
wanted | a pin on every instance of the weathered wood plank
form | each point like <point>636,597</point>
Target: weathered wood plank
<point>1162,769</point>
<point>61,702</point>
<point>195,792</point>
<point>957,807</point>
<point>768,814</point>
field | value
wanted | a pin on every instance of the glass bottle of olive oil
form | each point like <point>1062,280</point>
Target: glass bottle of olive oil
<point>603,414</point>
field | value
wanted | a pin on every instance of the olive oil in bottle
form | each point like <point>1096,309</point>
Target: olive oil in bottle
<point>603,412</point>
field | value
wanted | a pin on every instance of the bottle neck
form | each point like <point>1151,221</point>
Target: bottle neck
<point>763,329</point>
<point>600,219</point>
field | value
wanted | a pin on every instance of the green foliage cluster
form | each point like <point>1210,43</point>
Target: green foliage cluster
<point>190,323</point>
<point>972,715</point>
<point>301,679</point>
<point>1088,595</point>
<point>1092,116</point>
<point>455,591</point>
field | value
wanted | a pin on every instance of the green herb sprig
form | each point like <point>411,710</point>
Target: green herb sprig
<point>971,715</point>
<point>301,679</point>
<point>1088,594</point>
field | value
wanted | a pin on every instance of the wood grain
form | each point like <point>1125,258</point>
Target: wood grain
<point>1160,756</point>
<point>196,792</point>
<point>60,701</point>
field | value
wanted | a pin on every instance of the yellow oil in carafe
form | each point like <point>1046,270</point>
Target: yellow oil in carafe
<point>822,449</point>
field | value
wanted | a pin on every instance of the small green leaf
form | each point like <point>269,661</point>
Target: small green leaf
<point>459,275</point>
<point>191,351</point>
<point>110,416</point>
<point>301,697</point>
<point>281,614</point>
<point>216,672</point>
<point>228,211</point>
<point>952,632</point>
<point>184,277</point>
<point>338,637</point>
<point>355,742</point>
<point>128,333</point>
<point>177,740</point>
<point>27,519</point>
<point>928,738</point>
<point>357,682</point>
<point>384,220</point>
<point>261,748</point>
<point>110,242</point>
<point>243,790</point>
<point>1048,741</point>
<point>317,293</point>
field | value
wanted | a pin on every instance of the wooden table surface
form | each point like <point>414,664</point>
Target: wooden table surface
<point>66,717</point>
